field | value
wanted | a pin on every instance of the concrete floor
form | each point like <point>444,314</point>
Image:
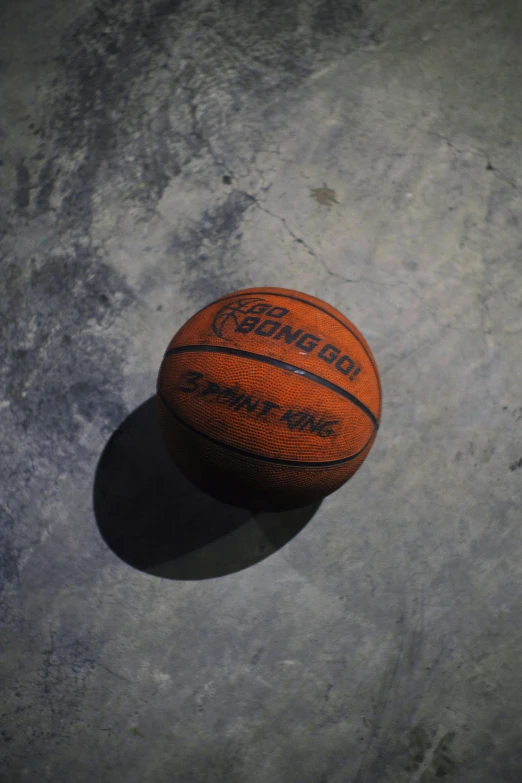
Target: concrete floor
<point>155,155</point>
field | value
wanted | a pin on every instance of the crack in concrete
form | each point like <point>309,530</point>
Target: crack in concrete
<point>489,166</point>
<point>297,239</point>
<point>362,279</point>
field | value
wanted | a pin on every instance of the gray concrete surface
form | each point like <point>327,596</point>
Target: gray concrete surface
<point>155,155</point>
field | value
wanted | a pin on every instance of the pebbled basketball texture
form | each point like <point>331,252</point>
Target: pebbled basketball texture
<point>269,398</point>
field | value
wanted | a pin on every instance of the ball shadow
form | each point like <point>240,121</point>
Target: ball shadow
<point>153,518</point>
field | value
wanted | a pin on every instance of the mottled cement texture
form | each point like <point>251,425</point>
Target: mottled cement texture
<point>155,155</point>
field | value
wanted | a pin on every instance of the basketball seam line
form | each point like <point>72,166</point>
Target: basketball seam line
<point>310,304</point>
<point>261,457</point>
<point>277,363</point>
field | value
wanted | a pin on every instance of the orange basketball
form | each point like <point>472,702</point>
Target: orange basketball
<point>269,397</point>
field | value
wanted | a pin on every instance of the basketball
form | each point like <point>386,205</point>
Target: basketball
<point>269,397</point>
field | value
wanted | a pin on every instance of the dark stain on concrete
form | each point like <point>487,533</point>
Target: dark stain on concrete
<point>443,763</point>
<point>500,207</point>
<point>516,465</point>
<point>104,55</point>
<point>421,747</point>
<point>67,668</point>
<point>8,555</point>
<point>331,16</point>
<point>46,182</point>
<point>216,269</point>
<point>51,382</point>
<point>23,187</point>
